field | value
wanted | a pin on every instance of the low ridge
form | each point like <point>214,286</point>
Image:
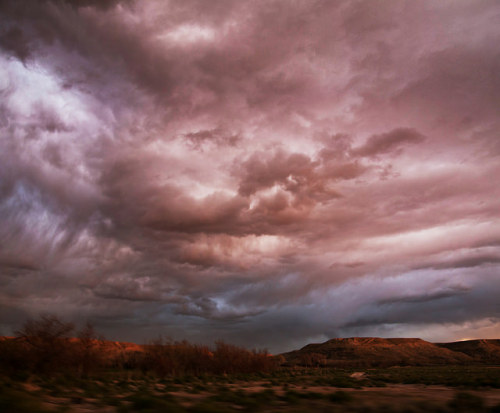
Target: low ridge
<point>378,352</point>
<point>482,351</point>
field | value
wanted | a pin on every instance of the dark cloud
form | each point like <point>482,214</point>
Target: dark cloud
<point>389,142</point>
<point>214,136</point>
<point>283,169</point>
<point>438,308</point>
<point>215,213</point>
<point>99,4</point>
<point>452,292</point>
<point>14,41</point>
<point>468,262</point>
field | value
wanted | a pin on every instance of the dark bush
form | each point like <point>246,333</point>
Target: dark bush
<point>466,402</point>
<point>340,397</point>
<point>19,402</point>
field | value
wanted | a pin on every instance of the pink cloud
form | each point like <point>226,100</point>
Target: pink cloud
<point>230,162</point>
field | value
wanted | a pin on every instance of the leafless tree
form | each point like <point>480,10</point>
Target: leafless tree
<point>89,350</point>
<point>46,338</point>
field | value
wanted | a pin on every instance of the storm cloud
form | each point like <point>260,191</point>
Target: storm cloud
<point>266,172</point>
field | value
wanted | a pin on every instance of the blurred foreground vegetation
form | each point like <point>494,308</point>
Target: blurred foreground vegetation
<point>280,391</point>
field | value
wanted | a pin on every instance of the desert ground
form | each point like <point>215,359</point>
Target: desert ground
<point>396,389</point>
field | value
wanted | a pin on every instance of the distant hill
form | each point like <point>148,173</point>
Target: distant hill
<point>113,347</point>
<point>110,350</point>
<point>106,346</point>
<point>384,352</point>
<point>482,351</point>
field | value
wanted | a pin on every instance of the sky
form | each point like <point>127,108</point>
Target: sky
<point>269,173</point>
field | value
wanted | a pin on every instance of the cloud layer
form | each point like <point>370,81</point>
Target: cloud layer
<point>265,172</point>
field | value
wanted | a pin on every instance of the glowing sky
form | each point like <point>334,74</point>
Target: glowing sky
<point>265,172</point>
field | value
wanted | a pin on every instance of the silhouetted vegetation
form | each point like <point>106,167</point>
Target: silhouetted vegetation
<point>183,358</point>
<point>44,346</point>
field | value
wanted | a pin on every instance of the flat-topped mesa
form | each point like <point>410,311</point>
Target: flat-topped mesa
<point>367,342</point>
<point>376,341</point>
<point>375,351</point>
